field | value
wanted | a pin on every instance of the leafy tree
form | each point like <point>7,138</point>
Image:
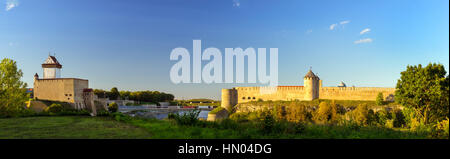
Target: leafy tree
<point>379,100</point>
<point>113,107</point>
<point>426,90</point>
<point>361,114</point>
<point>114,94</point>
<point>12,91</point>
<point>125,94</point>
<point>324,113</point>
<point>100,93</point>
<point>296,113</point>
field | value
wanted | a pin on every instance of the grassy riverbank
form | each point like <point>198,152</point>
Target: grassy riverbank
<point>84,127</point>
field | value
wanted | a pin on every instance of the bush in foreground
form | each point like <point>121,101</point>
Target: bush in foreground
<point>113,107</point>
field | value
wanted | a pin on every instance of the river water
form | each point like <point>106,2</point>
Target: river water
<point>158,113</point>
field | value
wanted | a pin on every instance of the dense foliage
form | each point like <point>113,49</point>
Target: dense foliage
<point>425,90</point>
<point>140,96</point>
<point>379,100</point>
<point>12,91</point>
<point>113,107</point>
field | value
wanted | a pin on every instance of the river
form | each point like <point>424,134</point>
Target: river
<point>158,113</point>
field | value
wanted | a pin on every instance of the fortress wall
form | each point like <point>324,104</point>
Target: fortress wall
<point>57,89</point>
<point>53,89</point>
<point>281,93</point>
<point>78,87</point>
<point>355,93</point>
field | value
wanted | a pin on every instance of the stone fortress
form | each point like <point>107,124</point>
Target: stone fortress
<point>74,91</point>
<point>312,89</point>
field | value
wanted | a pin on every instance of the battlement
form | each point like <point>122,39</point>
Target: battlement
<point>358,88</point>
<point>312,89</point>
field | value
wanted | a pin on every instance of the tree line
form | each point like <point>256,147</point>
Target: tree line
<point>141,96</point>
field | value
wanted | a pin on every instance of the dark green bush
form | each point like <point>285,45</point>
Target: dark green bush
<point>399,118</point>
<point>379,100</point>
<point>171,116</point>
<point>121,117</point>
<point>268,123</point>
<point>188,118</point>
<point>113,107</point>
<point>103,113</point>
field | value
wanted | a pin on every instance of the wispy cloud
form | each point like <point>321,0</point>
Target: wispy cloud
<point>344,22</point>
<point>366,40</point>
<point>364,31</point>
<point>332,26</point>
<point>309,31</point>
<point>10,4</point>
<point>236,3</point>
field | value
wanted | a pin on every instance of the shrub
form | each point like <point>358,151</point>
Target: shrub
<point>381,117</point>
<point>121,117</point>
<point>113,107</point>
<point>442,129</point>
<point>398,118</point>
<point>371,118</point>
<point>171,116</point>
<point>188,118</point>
<point>324,113</point>
<point>379,100</point>
<point>228,124</point>
<point>389,123</point>
<point>239,117</point>
<point>268,123</point>
<point>103,113</point>
<point>54,108</point>
<point>361,114</point>
<point>296,113</point>
<point>299,127</point>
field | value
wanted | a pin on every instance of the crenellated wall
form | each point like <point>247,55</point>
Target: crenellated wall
<point>311,90</point>
<point>231,97</point>
<point>355,93</point>
<point>245,94</point>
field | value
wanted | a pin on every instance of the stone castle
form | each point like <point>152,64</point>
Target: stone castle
<point>52,87</point>
<point>312,89</point>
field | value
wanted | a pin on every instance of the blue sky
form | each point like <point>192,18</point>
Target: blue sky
<point>127,44</point>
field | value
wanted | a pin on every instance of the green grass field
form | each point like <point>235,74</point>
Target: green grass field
<point>65,127</point>
<point>83,127</point>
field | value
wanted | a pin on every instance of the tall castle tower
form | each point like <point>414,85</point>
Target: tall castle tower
<point>229,98</point>
<point>311,86</point>
<point>52,68</point>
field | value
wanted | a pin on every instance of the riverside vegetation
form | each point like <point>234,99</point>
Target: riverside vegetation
<point>423,114</point>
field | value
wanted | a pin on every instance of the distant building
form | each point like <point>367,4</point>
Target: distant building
<point>71,90</point>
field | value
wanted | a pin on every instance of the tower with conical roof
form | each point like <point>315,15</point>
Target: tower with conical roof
<point>311,86</point>
<point>52,68</point>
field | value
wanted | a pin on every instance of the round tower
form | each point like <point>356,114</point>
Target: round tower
<point>229,99</point>
<point>311,86</point>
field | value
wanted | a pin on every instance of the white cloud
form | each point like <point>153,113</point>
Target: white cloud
<point>344,22</point>
<point>309,31</point>
<point>10,4</point>
<point>364,31</point>
<point>236,3</point>
<point>332,26</point>
<point>366,40</point>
